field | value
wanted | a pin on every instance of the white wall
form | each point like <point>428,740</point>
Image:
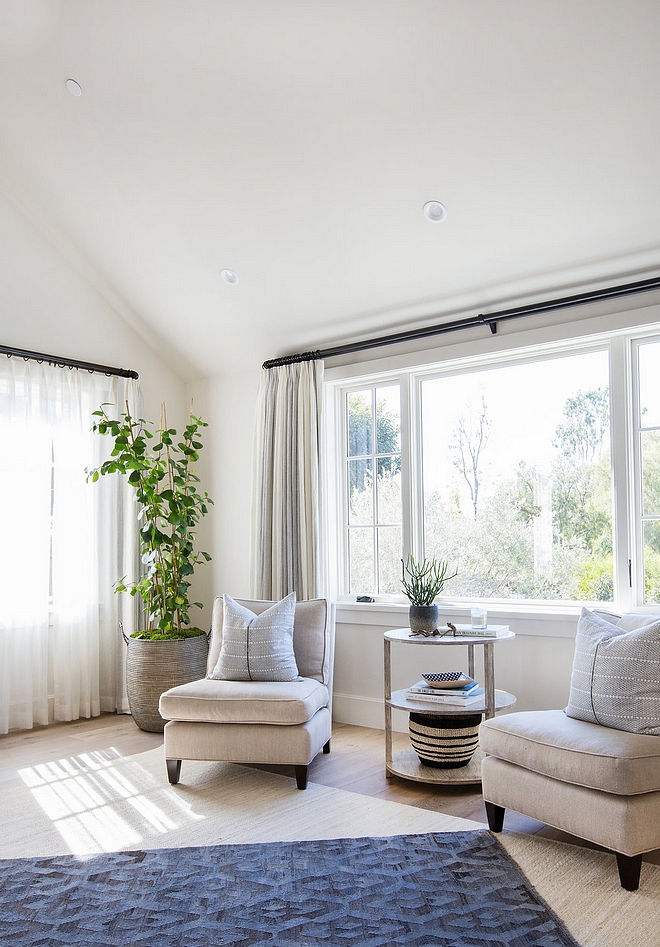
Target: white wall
<point>47,306</point>
<point>227,404</point>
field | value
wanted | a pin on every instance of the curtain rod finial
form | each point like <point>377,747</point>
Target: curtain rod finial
<point>292,359</point>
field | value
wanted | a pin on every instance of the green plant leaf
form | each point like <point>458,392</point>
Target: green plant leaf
<point>167,509</point>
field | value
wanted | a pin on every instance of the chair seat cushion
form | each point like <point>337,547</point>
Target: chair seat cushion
<point>574,751</point>
<point>272,702</point>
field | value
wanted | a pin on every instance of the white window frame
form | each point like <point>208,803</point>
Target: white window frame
<point>637,571</point>
<point>339,478</point>
<point>410,370</point>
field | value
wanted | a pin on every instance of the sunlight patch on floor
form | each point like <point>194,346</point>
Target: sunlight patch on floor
<point>103,800</point>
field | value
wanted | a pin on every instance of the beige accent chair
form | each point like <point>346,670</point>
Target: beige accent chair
<point>594,782</point>
<point>251,721</point>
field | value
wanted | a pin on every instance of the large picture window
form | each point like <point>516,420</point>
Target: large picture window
<point>514,469</point>
<point>517,478</point>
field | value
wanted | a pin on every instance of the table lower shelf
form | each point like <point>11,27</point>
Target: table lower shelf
<point>404,700</point>
<point>406,763</point>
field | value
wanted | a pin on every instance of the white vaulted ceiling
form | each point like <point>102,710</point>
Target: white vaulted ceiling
<point>296,142</point>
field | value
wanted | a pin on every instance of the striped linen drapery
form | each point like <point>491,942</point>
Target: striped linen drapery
<point>286,554</point>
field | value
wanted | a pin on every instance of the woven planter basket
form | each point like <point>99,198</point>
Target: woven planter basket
<point>444,742</point>
<point>153,667</point>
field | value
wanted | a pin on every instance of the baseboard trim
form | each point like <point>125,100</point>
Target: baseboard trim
<point>364,712</point>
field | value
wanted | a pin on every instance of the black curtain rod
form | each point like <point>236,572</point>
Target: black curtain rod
<point>9,351</point>
<point>490,320</point>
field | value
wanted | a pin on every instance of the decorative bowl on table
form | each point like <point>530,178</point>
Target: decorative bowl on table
<point>448,679</point>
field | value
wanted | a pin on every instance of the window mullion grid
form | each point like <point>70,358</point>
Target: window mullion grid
<point>333,489</point>
<point>345,488</point>
<point>644,570</point>
<point>374,491</point>
<point>638,519</point>
<point>637,494</point>
<point>407,476</point>
<point>415,498</point>
<point>622,412</point>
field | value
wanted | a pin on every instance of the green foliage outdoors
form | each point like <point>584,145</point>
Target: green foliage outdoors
<point>360,433</point>
<point>595,579</point>
<point>586,425</point>
<point>651,575</point>
<point>651,465</point>
<point>423,581</point>
<point>170,506</point>
<point>498,551</point>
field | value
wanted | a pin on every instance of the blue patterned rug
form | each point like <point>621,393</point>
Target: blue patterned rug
<point>458,889</point>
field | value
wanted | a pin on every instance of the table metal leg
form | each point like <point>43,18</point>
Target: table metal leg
<point>489,679</point>
<point>387,690</point>
<point>470,648</point>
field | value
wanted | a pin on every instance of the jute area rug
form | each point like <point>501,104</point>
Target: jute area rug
<point>102,802</point>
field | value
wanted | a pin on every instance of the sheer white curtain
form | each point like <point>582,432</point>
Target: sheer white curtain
<point>286,553</point>
<point>63,543</point>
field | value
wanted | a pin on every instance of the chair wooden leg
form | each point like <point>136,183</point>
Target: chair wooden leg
<point>630,867</point>
<point>173,771</point>
<point>301,777</point>
<point>495,816</point>
<point>326,747</point>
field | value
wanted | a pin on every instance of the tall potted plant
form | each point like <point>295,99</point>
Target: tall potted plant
<point>167,651</point>
<point>422,582</point>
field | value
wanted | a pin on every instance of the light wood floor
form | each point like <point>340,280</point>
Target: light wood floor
<point>355,764</point>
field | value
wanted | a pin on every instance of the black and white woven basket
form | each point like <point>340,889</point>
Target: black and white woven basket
<point>444,742</point>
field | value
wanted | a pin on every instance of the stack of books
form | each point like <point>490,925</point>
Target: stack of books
<point>465,696</point>
<point>491,631</point>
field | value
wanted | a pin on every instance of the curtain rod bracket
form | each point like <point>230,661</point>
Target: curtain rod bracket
<point>491,323</point>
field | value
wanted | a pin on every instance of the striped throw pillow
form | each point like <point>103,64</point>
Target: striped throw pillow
<point>257,647</point>
<point>616,673</point>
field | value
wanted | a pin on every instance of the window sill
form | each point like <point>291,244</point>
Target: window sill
<point>550,621</point>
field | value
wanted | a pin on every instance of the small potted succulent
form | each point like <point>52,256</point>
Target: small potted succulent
<point>422,582</point>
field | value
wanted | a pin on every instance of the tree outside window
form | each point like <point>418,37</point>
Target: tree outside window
<point>374,489</point>
<point>521,496</point>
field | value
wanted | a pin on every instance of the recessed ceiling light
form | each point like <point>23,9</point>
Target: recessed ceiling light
<point>229,277</point>
<point>435,212</point>
<point>73,87</point>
